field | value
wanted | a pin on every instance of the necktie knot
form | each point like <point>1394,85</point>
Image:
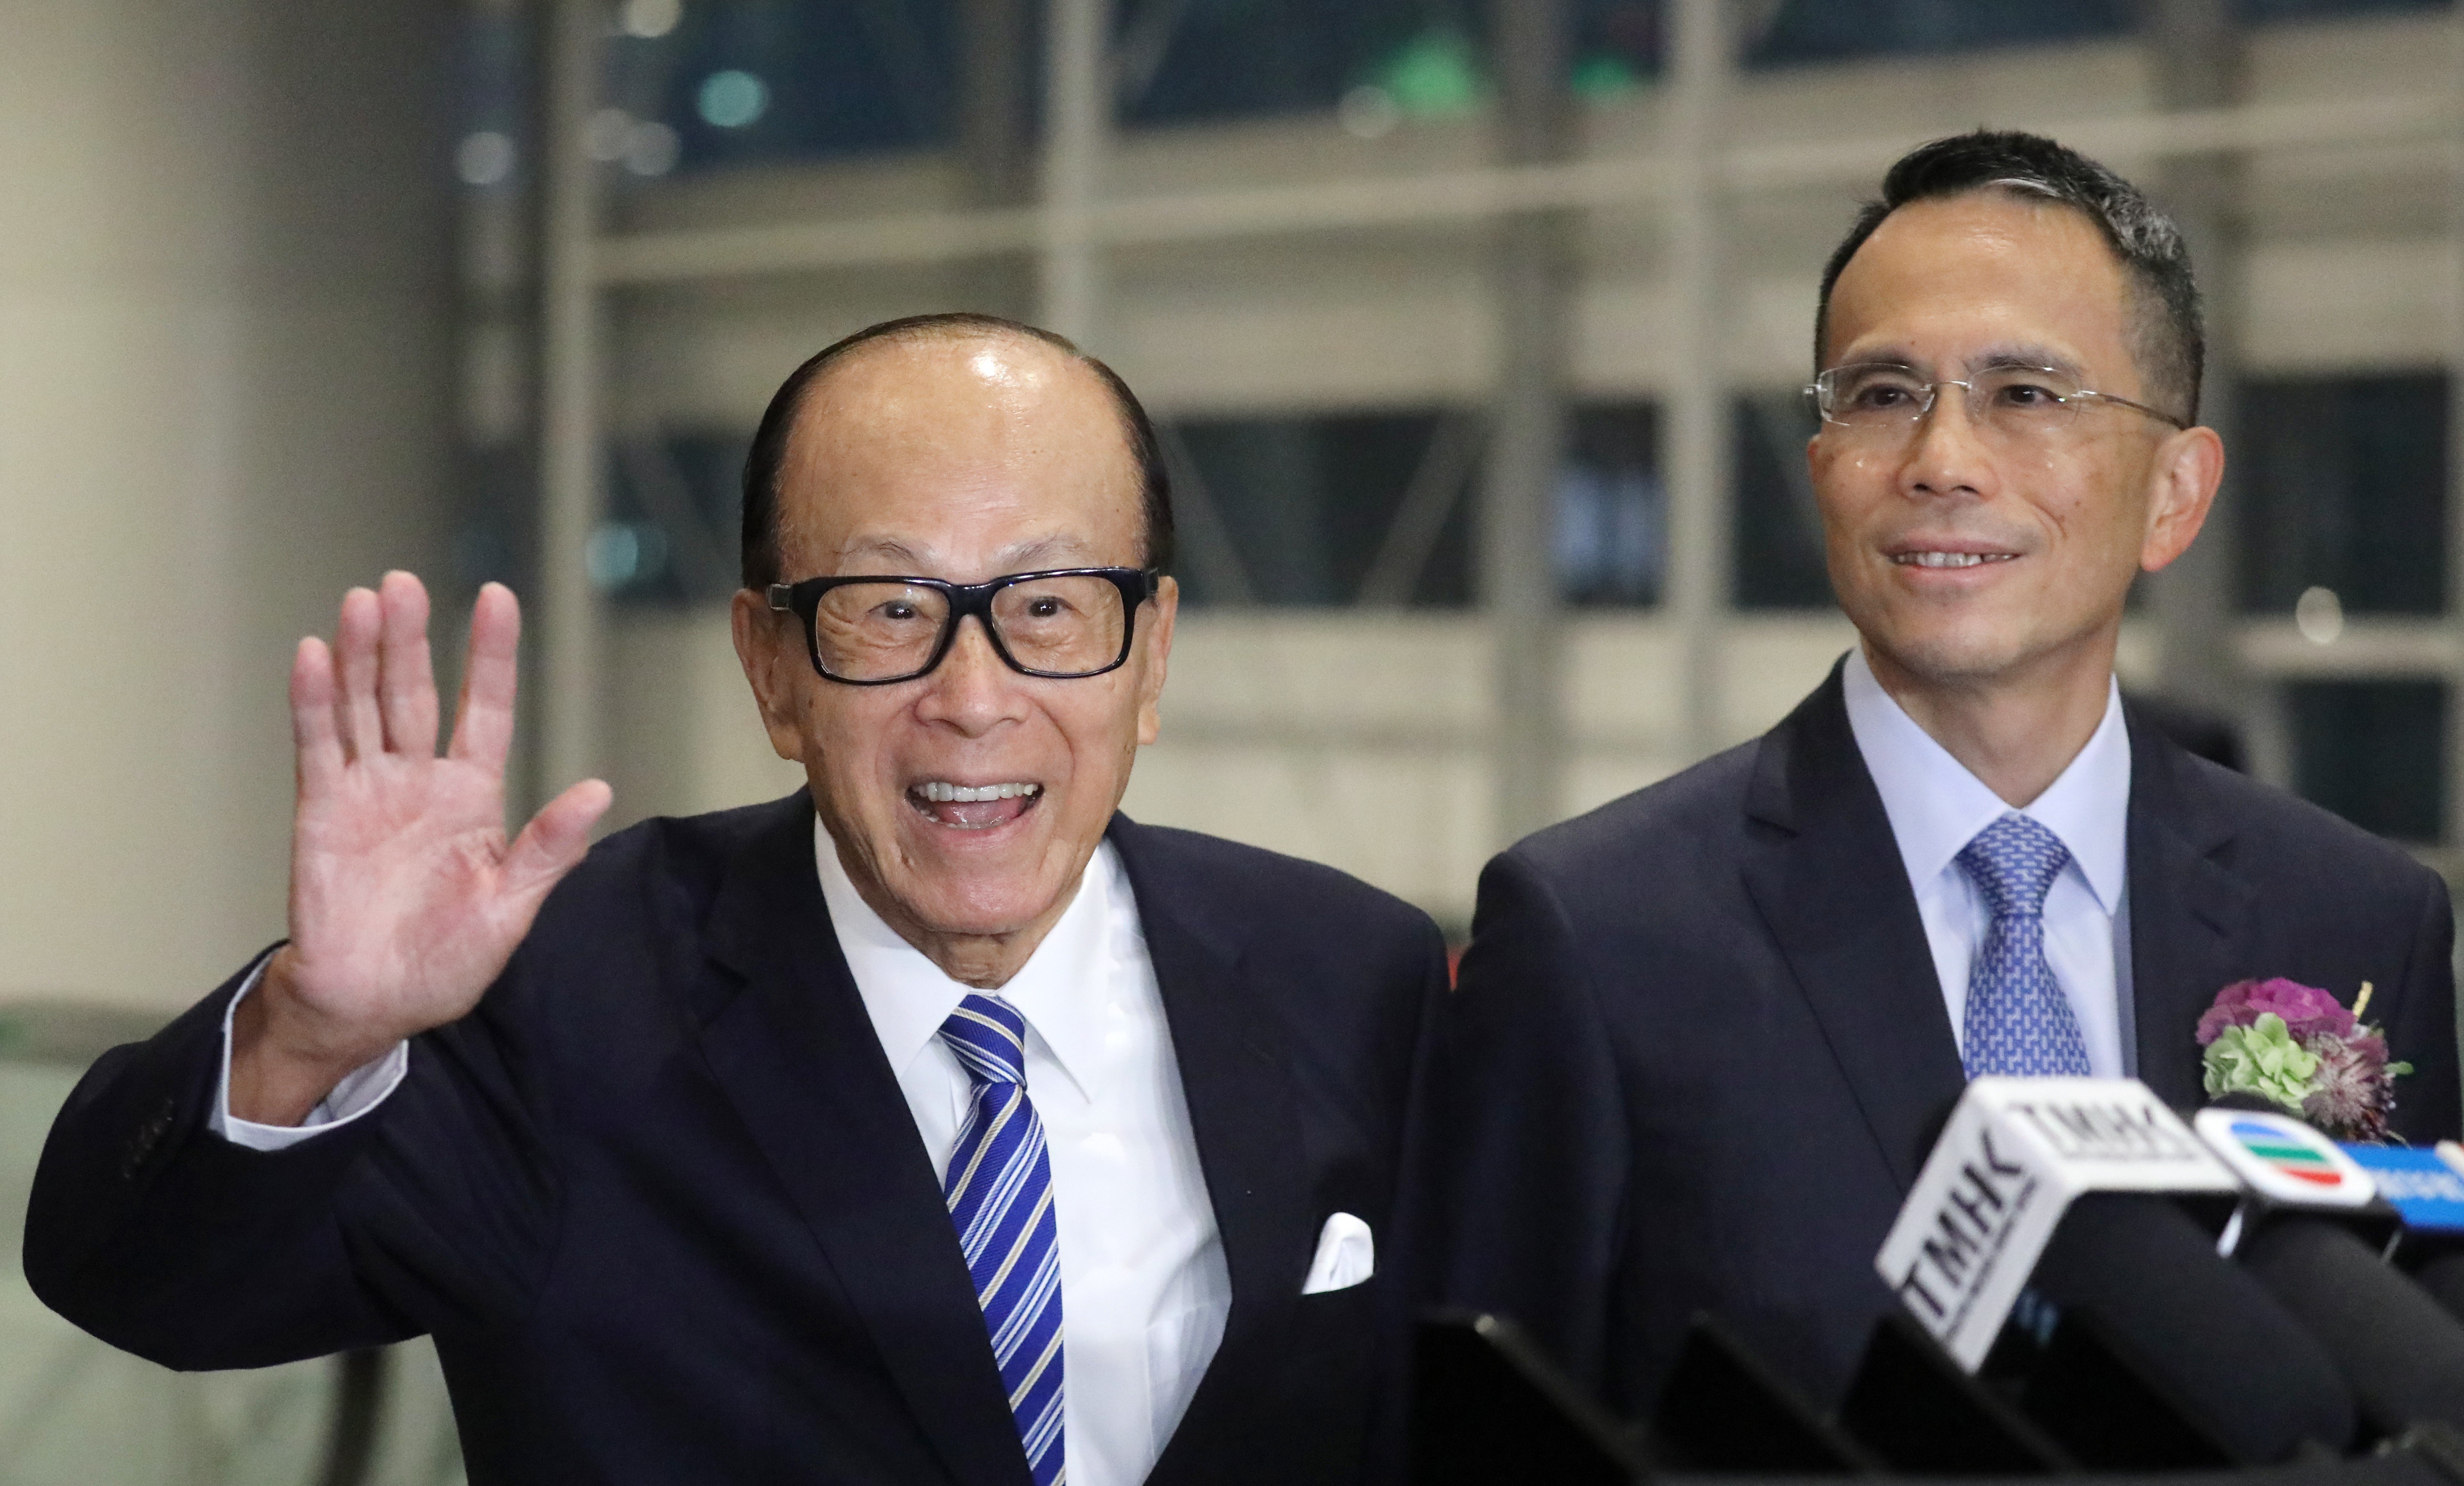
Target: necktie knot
<point>2013,863</point>
<point>989,1036</point>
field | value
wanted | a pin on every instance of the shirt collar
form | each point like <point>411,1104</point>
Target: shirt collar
<point>1057,991</point>
<point>1936,807</point>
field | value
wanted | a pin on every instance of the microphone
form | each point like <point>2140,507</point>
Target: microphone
<point>2315,1234</point>
<point>2139,1347</point>
<point>1724,1409</point>
<point>1912,1406</point>
<point>1486,1405</point>
<point>2139,1279</point>
<point>2426,1188</point>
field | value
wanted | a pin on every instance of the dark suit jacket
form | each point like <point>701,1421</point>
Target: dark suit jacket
<point>662,1206</point>
<point>1699,1049</point>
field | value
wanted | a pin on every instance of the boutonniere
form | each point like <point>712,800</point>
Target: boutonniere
<point>2297,1047</point>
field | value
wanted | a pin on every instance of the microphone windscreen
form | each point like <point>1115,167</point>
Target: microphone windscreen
<point>2211,1335</point>
<point>2403,1355</point>
<point>2442,1277</point>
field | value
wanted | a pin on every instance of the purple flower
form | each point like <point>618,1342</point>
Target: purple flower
<point>2353,1090</point>
<point>2308,1012</point>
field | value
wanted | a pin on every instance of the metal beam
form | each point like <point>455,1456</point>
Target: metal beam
<point>569,608</point>
<point>1078,115</point>
<point>994,135</point>
<point>2454,749</point>
<point>1701,447</point>
<point>2197,51</point>
<point>1530,280</point>
<point>1446,197</point>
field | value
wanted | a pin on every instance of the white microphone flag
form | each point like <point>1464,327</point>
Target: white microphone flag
<point>2015,1154</point>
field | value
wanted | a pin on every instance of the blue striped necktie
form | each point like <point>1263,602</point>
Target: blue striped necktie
<point>1000,1192</point>
<point>2017,1020</point>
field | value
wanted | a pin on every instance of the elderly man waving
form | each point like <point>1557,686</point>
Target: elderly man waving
<point>936,1123</point>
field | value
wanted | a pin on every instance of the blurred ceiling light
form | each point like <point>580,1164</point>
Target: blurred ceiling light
<point>651,19</point>
<point>613,555</point>
<point>484,158</point>
<point>2320,615</point>
<point>1436,75</point>
<point>622,554</point>
<point>1603,78</point>
<point>1367,112</point>
<point>650,149</point>
<point>733,99</point>
<point>608,132</point>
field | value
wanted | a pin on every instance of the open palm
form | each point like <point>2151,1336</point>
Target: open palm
<point>407,898</point>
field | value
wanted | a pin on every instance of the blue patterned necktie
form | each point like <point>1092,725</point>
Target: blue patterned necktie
<point>999,1192</point>
<point>2018,1021</point>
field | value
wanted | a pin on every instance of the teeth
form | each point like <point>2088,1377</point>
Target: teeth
<point>1949,559</point>
<point>941,791</point>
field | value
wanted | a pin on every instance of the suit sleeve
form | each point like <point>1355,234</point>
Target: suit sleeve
<point>2421,1026</point>
<point>1528,1147</point>
<point>169,1241</point>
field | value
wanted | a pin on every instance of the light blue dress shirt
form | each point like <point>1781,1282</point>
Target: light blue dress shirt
<point>1936,807</point>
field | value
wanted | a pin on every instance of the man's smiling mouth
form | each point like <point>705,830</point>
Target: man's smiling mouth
<point>1949,559</point>
<point>973,806</point>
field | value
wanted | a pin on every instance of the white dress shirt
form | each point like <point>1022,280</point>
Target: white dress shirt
<point>364,1090</point>
<point>1144,1289</point>
<point>1936,807</point>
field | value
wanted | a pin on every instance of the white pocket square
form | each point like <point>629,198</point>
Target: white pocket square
<point>1346,1256</point>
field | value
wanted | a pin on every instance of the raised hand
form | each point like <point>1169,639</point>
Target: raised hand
<point>406,897</point>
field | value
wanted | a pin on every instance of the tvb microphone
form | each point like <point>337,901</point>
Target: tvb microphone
<point>2314,1232</point>
<point>2137,1347</point>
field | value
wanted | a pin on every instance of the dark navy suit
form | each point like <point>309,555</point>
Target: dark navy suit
<point>663,1207</point>
<point>1700,1046</point>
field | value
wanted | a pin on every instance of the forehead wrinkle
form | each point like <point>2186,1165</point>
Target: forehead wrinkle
<point>1996,356</point>
<point>922,558</point>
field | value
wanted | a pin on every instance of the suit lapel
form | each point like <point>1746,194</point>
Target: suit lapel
<point>1829,884</point>
<point>2188,914</point>
<point>1235,1076</point>
<point>796,1053</point>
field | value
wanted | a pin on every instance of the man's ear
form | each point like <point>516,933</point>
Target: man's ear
<point>2187,468</point>
<point>1156,646</point>
<point>760,648</point>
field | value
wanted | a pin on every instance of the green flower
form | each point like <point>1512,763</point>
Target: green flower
<point>2261,1060</point>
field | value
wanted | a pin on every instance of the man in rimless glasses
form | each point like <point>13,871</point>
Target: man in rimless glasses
<point>935,1124</point>
<point>1704,1034</point>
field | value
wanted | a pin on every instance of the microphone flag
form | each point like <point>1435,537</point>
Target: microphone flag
<point>2284,1159</point>
<point>2422,1186</point>
<point>2015,1155</point>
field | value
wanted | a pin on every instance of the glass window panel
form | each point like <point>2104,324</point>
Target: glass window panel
<point>674,515</point>
<point>2264,10</point>
<point>1612,539</point>
<point>2344,486</point>
<point>493,86</point>
<point>1305,504</point>
<point>2373,752</point>
<point>1617,45</point>
<point>1826,31</point>
<point>496,534</point>
<point>1778,532</point>
<point>1795,32</point>
<point>1188,60</point>
<point>737,81</point>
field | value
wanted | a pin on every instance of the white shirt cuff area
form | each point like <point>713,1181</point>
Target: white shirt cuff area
<point>362,1089</point>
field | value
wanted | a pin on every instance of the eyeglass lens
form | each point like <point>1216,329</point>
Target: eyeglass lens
<point>2017,401</point>
<point>1064,626</point>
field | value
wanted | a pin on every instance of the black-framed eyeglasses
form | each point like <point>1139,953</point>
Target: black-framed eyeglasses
<point>1060,623</point>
